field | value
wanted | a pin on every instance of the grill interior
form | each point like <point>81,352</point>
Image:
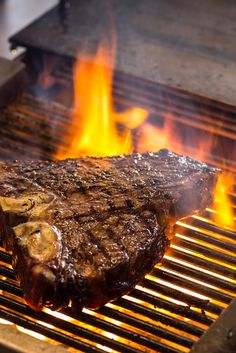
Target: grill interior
<point>193,118</point>
<point>175,304</point>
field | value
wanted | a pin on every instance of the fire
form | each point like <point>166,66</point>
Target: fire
<point>154,138</point>
<point>97,129</point>
<point>224,212</point>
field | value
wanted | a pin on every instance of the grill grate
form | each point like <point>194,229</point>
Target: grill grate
<point>171,308</point>
<point>148,316</point>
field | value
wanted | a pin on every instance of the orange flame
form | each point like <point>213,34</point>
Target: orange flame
<point>94,129</point>
<point>224,211</point>
<point>154,138</point>
<point>98,130</point>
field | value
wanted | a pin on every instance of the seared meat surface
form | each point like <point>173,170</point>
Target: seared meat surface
<point>87,230</point>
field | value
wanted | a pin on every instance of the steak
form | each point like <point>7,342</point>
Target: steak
<point>85,231</point>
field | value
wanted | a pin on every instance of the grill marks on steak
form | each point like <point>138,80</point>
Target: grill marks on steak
<point>121,247</point>
<point>87,230</point>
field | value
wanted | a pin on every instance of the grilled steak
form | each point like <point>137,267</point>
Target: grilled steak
<point>87,230</point>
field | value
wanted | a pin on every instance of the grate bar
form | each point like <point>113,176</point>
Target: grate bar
<point>78,330</point>
<point>15,289</point>
<point>206,226</point>
<point>184,311</point>
<point>184,118</point>
<point>158,331</point>
<point>23,138</point>
<point>135,308</point>
<point>133,87</point>
<point>181,296</point>
<point>5,257</point>
<point>190,300</point>
<point>16,148</point>
<point>51,333</point>
<point>216,255</point>
<point>163,318</point>
<point>65,325</point>
<point>225,271</point>
<point>155,301</point>
<point>11,288</point>
<point>137,338</point>
<point>184,102</point>
<point>196,235</point>
<point>197,274</point>
<point>29,125</point>
<point>190,285</point>
<point>7,272</point>
<point>138,294</point>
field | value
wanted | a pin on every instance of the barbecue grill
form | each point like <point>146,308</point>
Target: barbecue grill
<point>182,297</point>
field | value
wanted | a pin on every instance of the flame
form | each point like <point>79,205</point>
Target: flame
<point>169,135</point>
<point>94,128</point>
<point>97,129</point>
<point>224,212</point>
<point>154,138</point>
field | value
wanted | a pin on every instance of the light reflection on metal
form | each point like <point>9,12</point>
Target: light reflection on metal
<point>204,243</point>
<point>201,269</point>
<point>188,278</point>
<point>174,286</point>
<point>104,348</point>
<point>5,322</point>
<point>202,230</point>
<point>206,220</point>
<point>202,256</point>
<point>31,333</point>
<point>159,295</point>
<point>58,315</point>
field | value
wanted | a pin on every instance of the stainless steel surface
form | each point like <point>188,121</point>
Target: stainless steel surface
<point>184,44</point>
<point>15,14</point>
<point>221,336</point>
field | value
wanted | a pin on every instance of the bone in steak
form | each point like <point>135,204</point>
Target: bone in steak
<point>87,230</point>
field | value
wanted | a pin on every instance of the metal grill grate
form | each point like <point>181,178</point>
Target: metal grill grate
<point>150,316</point>
<point>172,307</point>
